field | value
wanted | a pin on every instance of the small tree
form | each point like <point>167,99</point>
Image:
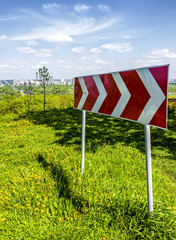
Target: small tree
<point>43,76</point>
<point>29,97</point>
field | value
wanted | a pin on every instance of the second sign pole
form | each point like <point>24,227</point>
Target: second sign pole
<point>149,168</point>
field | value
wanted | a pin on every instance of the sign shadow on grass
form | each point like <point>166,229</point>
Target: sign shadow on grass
<point>62,182</point>
<point>101,129</point>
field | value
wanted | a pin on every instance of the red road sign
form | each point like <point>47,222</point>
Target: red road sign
<point>138,95</point>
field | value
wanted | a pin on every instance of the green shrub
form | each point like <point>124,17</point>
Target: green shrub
<point>34,103</point>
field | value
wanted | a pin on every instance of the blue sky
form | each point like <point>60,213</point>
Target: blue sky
<point>75,38</point>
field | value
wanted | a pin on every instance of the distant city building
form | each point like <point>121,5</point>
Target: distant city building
<point>26,83</point>
<point>37,82</point>
<point>172,81</point>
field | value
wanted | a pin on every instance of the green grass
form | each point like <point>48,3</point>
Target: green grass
<point>44,196</point>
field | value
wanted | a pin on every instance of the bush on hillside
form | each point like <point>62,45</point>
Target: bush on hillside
<point>27,103</point>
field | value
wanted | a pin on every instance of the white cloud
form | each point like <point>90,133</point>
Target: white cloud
<point>32,43</point>
<point>126,37</point>
<point>57,38</point>
<point>119,47</point>
<point>46,50</point>
<point>95,50</point>
<point>78,49</point>
<point>81,7</point>
<point>104,8</point>
<point>26,50</point>
<point>3,37</point>
<point>44,53</point>
<point>4,66</point>
<point>51,8</point>
<point>100,61</point>
<point>38,53</point>
<point>37,66</point>
<point>62,28</point>
<point>160,53</point>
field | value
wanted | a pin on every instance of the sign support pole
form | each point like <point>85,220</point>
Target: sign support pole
<point>83,140</point>
<point>149,168</point>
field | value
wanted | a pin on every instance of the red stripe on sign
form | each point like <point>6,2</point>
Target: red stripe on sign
<point>139,95</point>
<point>93,93</point>
<point>160,75</point>
<point>113,94</point>
<point>77,92</point>
<point>159,119</point>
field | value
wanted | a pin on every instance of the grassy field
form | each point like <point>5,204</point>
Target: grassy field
<point>44,196</point>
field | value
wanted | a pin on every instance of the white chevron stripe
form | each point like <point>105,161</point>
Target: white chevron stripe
<point>102,95</point>
<point>125,95</point>
<point>85,93</point>
<point>157,96</point>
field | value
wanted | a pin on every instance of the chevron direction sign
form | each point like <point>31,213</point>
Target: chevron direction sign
<point>138,95</point>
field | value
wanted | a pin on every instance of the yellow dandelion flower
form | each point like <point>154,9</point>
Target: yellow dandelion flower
<point>108,205</point>
<point>38,204</point>
<point>60,219</point>
<point>43,206</point>
<point>78,228</point>
<point>35,209</point>
<point>2,219</point>
<point>42,211</point>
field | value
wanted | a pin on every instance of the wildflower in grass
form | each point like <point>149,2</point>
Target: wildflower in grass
<point>43,205</point>
<point>42,211</point>
<point>2,219</point>
<point>35,209</point>
<point>38,204</point>
<point>78,228</point>
<point>16,205</point>
<point>60,219</point>
<point>108,205</point>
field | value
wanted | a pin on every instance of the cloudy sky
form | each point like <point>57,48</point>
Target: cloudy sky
<point>74,38</point>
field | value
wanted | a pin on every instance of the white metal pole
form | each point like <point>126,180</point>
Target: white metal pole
<point>149,168</point>
<point>83,140</point>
